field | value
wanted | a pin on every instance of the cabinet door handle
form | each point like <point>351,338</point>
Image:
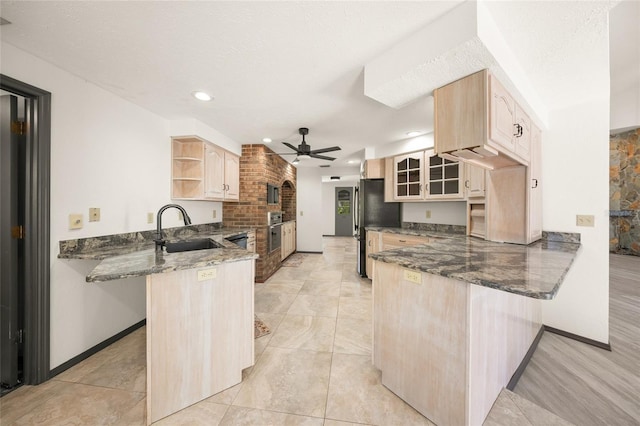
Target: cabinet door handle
<point>518,130</point>
<point>535,183</point>
<point>402,241</point>
<point>466,183</point>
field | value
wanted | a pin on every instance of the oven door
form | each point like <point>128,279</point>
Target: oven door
<point>275,237</point>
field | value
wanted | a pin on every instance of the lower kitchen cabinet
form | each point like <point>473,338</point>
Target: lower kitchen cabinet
<point>288,239</point>
<point>373,246</point>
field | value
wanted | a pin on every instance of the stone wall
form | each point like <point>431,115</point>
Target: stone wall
<point>624,192</point>
<point>259,165</point>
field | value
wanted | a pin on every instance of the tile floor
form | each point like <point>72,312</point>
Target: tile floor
<point>313,369</point>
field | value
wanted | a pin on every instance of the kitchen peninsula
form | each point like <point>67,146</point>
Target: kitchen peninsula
<point>199,311</point>
<point>455,317</point>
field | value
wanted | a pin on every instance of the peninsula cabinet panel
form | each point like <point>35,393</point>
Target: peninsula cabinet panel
<point>445,346</point>
<point>506,205</point>
<point>197,345</point>
<point>534,187</point>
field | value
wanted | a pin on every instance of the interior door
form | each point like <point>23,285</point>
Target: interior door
<point>343,211</point>
<point>10,233</point>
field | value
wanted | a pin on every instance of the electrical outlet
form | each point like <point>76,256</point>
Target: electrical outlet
<point>94,214</point>
<point>75,221</point>
<point>207,274</point>
<point>150,217</point>
<point>412,276</point>
<point>215,213</point>
<point>301,213</point>
<point>428,214</point>
<point>585,220</point>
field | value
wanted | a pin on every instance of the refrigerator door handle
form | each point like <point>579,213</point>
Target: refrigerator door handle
<point>356,208</point>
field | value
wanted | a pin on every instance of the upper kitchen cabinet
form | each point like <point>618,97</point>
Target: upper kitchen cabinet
<point>474,183</point>
<point>408,176</point>
<point>477,120</point>
<point>373,169</point>
<point>203,171</point>
<point>424,176</point>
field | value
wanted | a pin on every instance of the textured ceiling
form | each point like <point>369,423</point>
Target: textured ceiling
<point>275,66</point>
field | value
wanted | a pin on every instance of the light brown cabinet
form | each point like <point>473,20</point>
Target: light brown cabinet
<point>393,241</point>
<point>203,171</point>
<point>474,183</point>
<point>423,176</point>
<point>288,239</point>
<point>373,246</point>
<point>374,169</point>
<point>478,120</point>
<point>534,187</point>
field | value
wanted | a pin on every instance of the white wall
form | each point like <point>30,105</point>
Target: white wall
<point>311,216</point>
<point>575,172</point>
<point>625,66</point>
<point>446,213</point>
<point>106,153</point>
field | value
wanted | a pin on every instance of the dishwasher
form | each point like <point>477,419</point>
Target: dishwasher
<point>239,240</point>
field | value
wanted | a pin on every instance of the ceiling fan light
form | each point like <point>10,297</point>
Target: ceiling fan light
<point>266,140</point>
<point>303,156</point>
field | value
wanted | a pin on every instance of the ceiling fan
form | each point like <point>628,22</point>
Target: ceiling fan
<point>303,150</point>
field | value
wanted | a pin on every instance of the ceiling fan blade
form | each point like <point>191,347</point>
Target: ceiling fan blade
<point>321,150</point>
<point>295,148</point>
<point>282,153</point>
<point>321,157</point>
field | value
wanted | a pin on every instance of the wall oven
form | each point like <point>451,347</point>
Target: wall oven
<point>274,219</point>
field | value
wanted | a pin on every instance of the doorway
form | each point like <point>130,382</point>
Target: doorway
<point>25,113</point>
<point>343,211</point>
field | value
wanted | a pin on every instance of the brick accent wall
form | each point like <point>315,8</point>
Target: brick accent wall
<point>259,166</point>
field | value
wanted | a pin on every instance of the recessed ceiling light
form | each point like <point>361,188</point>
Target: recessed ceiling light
<point>413,133</point>
<point>266,140</point>
<point>202,96</point>
<point>353,161</point>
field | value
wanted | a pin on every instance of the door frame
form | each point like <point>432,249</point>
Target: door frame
<point>37,228</point>
<point>351,191</point>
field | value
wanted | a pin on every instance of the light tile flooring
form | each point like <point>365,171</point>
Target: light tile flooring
<point>313,369</point>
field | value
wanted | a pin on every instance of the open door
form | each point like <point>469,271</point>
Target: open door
<point>11,233</point>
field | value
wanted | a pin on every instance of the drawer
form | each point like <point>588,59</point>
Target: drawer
<point>390,241</point>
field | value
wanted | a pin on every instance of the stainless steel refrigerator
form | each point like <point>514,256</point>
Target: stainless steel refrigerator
<point>371,210</point>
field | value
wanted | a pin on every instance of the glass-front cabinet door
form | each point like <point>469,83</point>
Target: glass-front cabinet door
<point>408,176</point>
<point>443,178</point>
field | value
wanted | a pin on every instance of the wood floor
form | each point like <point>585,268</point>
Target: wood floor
<point>586,385</point>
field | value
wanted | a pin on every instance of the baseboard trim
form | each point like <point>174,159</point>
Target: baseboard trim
<point>97,348</point>
<point>605,346</point>
<point>525,361</point>
<point>309,252</point>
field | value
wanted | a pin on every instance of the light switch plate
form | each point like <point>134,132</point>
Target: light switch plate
<point>585,220</point>
<point>150,217</point>
<point>428,214</point>
<point>215,213</point>
<point>75,221</point>
<point>94,214</point>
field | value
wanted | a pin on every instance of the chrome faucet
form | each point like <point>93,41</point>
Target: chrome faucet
<point>159,240</point>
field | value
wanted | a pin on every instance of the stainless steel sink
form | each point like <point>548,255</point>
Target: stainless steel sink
<point>189,245</point>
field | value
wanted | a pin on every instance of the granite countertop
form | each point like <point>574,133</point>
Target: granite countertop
<point>133,254</point>
<point>535,270</point>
